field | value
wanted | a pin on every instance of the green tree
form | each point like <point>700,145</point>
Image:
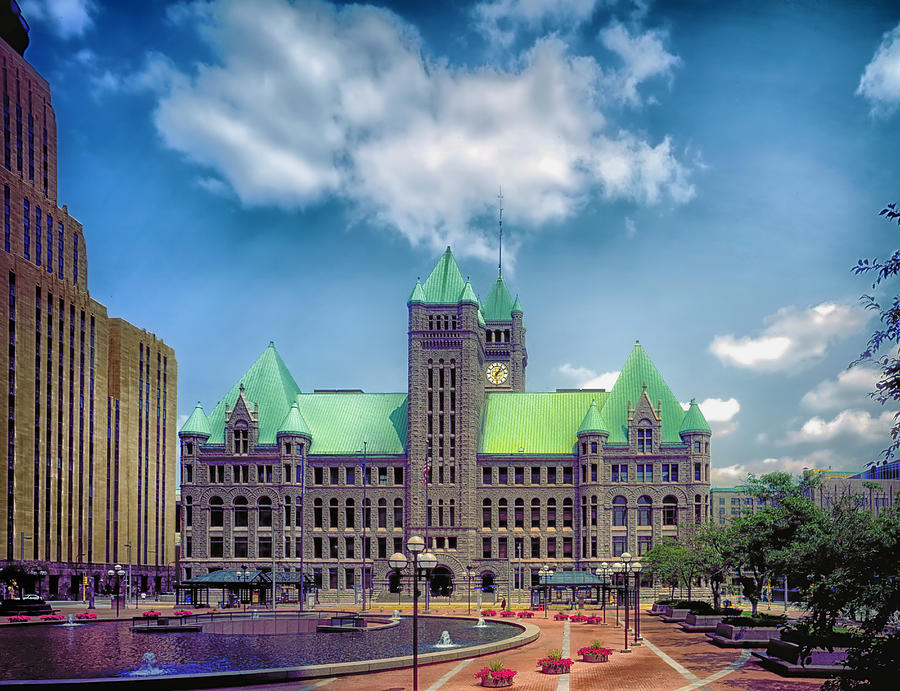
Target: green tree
<point>714,546</point>
<point>887,335</point>
<point>675,563</point>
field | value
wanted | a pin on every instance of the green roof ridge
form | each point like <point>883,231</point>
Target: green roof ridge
<point>294,423</point>
<point>593,422</point>
<point>694,420</point>
<point>269,385</point>
<point>417,294</point>
<point>637,371</point>
<point>468,295</point>
<point>499,303</point>
<point>196,423</point>
<point>517,307</point>
<point>445,284</point>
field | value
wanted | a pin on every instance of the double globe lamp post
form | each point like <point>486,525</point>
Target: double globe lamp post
<point>627,567</point>
<point>421,560</point>
<point>118,572</point>
<point>546,573</point>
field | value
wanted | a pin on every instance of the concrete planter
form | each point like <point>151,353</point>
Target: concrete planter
<point>701,623</point>
<point>595,657</point>
<point>675,615</point>
<point>492,683</point>
<point>729,636</point>
<point>785,659</point>
<point>549,668</point>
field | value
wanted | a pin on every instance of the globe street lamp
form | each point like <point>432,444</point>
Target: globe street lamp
<point>604,571</point>
<point>637,567</point>
<point>626,569</point>
<point>470,574</point>
<point>424,560</point>
<point>243,575</point>
<point>118,572</point>
<point>617,568</point>
<point>546,573</point>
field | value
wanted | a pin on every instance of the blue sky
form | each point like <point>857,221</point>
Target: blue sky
<point>700,176</point>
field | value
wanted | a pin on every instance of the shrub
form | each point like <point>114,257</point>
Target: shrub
<point>52,617</point>
<point>691,604</point>
<point>759,620</point>
<point>554,657</point>
<point>708,610</point>
<point>595,648</point>
<point>495,670</point>
<point>800,633</point>
<point>18,619</point>
<point>85,615</point>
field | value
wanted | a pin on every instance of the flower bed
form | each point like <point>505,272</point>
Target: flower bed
<point>495,675</point>
<point>555,663</point>
<point>578,618</point>
<point>489,613</point>
<point>525,615</point>
<point>594,620</point>
<point>182,613</point>
<point>561,617</point>
<point>151,614</point>
<point>595,652</point>
<point>507,613</point>
<point>85,615</point>
<point>52,617</point>
<point>18,619</point>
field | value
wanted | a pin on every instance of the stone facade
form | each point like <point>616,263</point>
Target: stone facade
<point>570,491</point>
<point>90,468</point>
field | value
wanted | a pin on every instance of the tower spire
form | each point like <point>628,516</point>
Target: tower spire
<point>500,223</point>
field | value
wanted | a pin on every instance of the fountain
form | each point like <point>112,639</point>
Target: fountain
<point>70,621</point>
<point>396,614</point>
<point>480,624</point>
<point>148,667</point>
<point>445,641</point>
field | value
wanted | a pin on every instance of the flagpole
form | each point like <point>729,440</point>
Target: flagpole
<point>364,529</point>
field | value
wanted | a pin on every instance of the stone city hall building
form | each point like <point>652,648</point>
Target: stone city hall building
<point>515,480</point>
<point>88,399</point>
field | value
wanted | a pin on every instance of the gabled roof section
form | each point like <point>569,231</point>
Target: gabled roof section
<point>534,423</point>
<point>339,423</point>
<point>269,385</point>
<point>694,420</point>
<point>294,423</point>
<point>445,285</point>
<point>639,369</point>
<point>593,422</point>
<point>499,303</point>
<point>196,423</point>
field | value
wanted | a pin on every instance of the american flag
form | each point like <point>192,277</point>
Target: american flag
<point>425,472</point>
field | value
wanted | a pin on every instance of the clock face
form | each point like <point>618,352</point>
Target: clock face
<point>497,373</point>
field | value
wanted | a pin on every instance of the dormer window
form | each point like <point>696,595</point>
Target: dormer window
<point>645,441</point>
<point>241,442</point>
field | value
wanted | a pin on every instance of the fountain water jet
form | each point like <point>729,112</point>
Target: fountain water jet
<point>445,641</point>
<point>148,667</point>
<point>480,624</point>
<point>70,621</point>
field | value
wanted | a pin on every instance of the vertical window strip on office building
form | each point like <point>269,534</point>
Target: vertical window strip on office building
<point>81,475</point>
<point>140,447</point>
<point>116,489</point>
<point>49,244</point>
<point>164,437</point>
<point>18,130</point>
<point>38,248</point>
<point>44,141</point>
<point>90,546</point>
<point>156,505</point>
<point>108,473</point>
<point>60,250</point>
<point>74,257</point>
<point>71,418</point>
<point>11,423</point>
<point>7,134</point>
<point>36,484</point>
<point>6,210</point>
<point>26,227</point>
<point>60,348</point>
<point>48,446</point>
<point>30,140</point>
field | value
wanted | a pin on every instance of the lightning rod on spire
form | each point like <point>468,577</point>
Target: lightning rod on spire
<point>500,223</point>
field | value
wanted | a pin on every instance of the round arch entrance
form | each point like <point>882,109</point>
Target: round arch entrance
<point>441,582</point>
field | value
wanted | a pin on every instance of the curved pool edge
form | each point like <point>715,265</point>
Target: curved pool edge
<point>529,632</point>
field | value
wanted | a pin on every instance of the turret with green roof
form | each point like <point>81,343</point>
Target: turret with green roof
<point>196,424</point>
<point>499,303</point>
<point>593,422</point>
<point>294,423</point>
<point>694,422</point>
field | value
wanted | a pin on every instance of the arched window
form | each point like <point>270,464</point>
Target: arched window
<point>332,513</point>
<point>670,510</point>
<point>298,511</point>
<point>519,514</point>
<point>398,513</point>
<point>265,512</point>
<point>567,513</point>
<point>502,518</point>
<point>441,512</point>
<point>452,512</point>
<point>593,509</point>
<point>241,519</point>
<point>698,509</point>
<point>317,513</point>
<point>216,513</point>
<point>645,510</point>
<point>382,513</point>
<point>620,511</point>
<point>486,513</point>
<point>551,513</point>
<point>584,512</point>
<point>350,513</point>
<point>487,582</point>
<point>535,513</point>
<point>188,512</point>
<point>429,513</point>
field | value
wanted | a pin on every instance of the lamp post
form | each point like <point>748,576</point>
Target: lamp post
<point>616,570</point>
<point>243,575</point>
<point>626,569</point>
<point>637,567</point>
<point>470,574</point>
<point>118,572</point>
<point>426,560</point>
<point>365,444</point>
<point>603,571</point>
<point>546,573</point>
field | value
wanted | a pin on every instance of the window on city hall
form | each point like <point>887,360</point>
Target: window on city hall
<point>645,441</point>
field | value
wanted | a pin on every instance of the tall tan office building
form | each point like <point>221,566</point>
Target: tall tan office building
<point>90,400</point>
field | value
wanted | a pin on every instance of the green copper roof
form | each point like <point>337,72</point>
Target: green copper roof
<point>340,422</point>
<point>293,422</point>
<point>445,284</point>
<point>196,423</point>
<point>268,384</point>
<point>417,295</point>
<point>481,319</point>
<point>468,295</point>
<point>694,420</point>
<point>499,303</point>
<point>593,422</point>
<point>638,370</point>
<point>536,423</point>
<point>517,306</point>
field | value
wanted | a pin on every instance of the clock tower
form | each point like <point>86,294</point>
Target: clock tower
<point>504,340</point>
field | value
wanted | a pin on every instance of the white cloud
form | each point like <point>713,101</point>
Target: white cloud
<point>851,387</point>
<point>313,101</point>
<point>821,459</point>
<point>644,57</point>
<point>848,424</point>
<point>501,20</point>
<point>630,227</point>
<point>880,82</point>
<point>585,378</point>
<point>719,413</point>
<point>729,475</point>
<point>214,186</point>
<point>792,337</point>
<point>66,18</point>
